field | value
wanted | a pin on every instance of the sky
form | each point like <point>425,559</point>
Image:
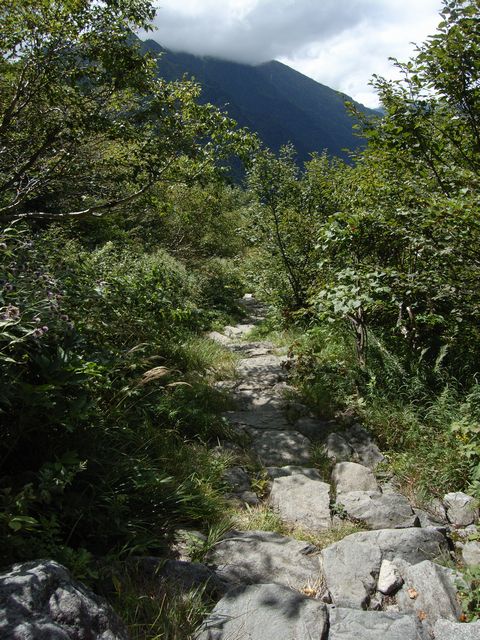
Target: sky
<point>340,43</point>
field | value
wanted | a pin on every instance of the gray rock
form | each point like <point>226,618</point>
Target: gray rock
<point>437,509</point>
<point>246,557</point>
<point>266,612</point>
<point>40,600</point>
<point>471,553</point>
<point>351,624</point>
<point>426,519</point>
<point>262,365</point>
<point>219,337</point>
<point>350,476</point>
<point>351,571</point>
<point>261,417</point>
<point>365,450</point>
<point>290,470</point>
<point>377,510</point>
<point>429,591</point>
<point>352,565</point>
<point>279,448</point>
<point>303,502</point>
<point>244,497</point>
<point>237,478</point>
<point>461,509</point>
<point>185,575</point>
<point>238,330</point>
<point>389,579</point>
<point>337,448</point>
<point>447,630</point>
<point>313,428</point>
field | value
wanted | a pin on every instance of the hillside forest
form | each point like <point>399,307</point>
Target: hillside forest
<point>126,237</point>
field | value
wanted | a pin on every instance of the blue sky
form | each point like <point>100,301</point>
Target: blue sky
<point>340,43</point>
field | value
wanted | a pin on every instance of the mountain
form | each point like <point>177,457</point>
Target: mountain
<point>279,103</point>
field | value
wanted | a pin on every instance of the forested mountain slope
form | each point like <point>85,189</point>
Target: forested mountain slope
<point>279,103</point>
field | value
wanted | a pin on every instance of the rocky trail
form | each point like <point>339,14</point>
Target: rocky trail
<point>392,579</point>
<point>386,582</point>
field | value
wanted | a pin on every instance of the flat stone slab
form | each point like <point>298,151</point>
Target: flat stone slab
<point>260,418</point>
<point>429,590</point>
<point>313,428</point>
<point>291,470</point>
<point>220,338</point>
<point>279,448</point>
<point>247,557</point>
<point>261,365</point>
<point>351,566</point>
<point>351,476</point>
<point>351,624</point>
<point>266,612</point>
<point>302,501</point>
<point>378,510</point>
<point>447,630</point>
<point>238,330</point>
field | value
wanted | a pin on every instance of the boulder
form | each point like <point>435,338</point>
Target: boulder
<point>351,624</point>
<point>471,553</point>
<point>302,501</point>
<point>237,479</point>
<point>447,630</point>
<point>377,510</point>
<point>350,476</point>
<point>428,591</point>
<point>279,448</point>
<point>40,600</point>
<point>365,450</point>
<point>337,448</point>
<point>351,566</point>
<point>246,557</point>
<point>266,612</point>
<point>461,509</point>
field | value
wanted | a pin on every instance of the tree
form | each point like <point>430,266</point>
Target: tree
<point>85,124</point>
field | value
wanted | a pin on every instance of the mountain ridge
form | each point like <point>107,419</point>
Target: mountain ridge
<point>279,103</point>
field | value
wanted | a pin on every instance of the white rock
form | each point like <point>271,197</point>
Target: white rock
<point>389,579</point>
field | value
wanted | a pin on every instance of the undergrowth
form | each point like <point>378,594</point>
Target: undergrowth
<point>429,431</point>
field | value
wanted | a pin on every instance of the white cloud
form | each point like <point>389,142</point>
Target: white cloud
<point>340,43</point>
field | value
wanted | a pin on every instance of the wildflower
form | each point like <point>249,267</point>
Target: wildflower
<point>10,313</point>
<point>64,318</point>
<point>8,286</point>
<point>37,333</point>
<point>3,246</point>
<point>45,328</point>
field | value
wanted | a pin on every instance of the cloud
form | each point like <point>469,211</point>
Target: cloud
<point>255,31</point>
<point>340,43</point>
